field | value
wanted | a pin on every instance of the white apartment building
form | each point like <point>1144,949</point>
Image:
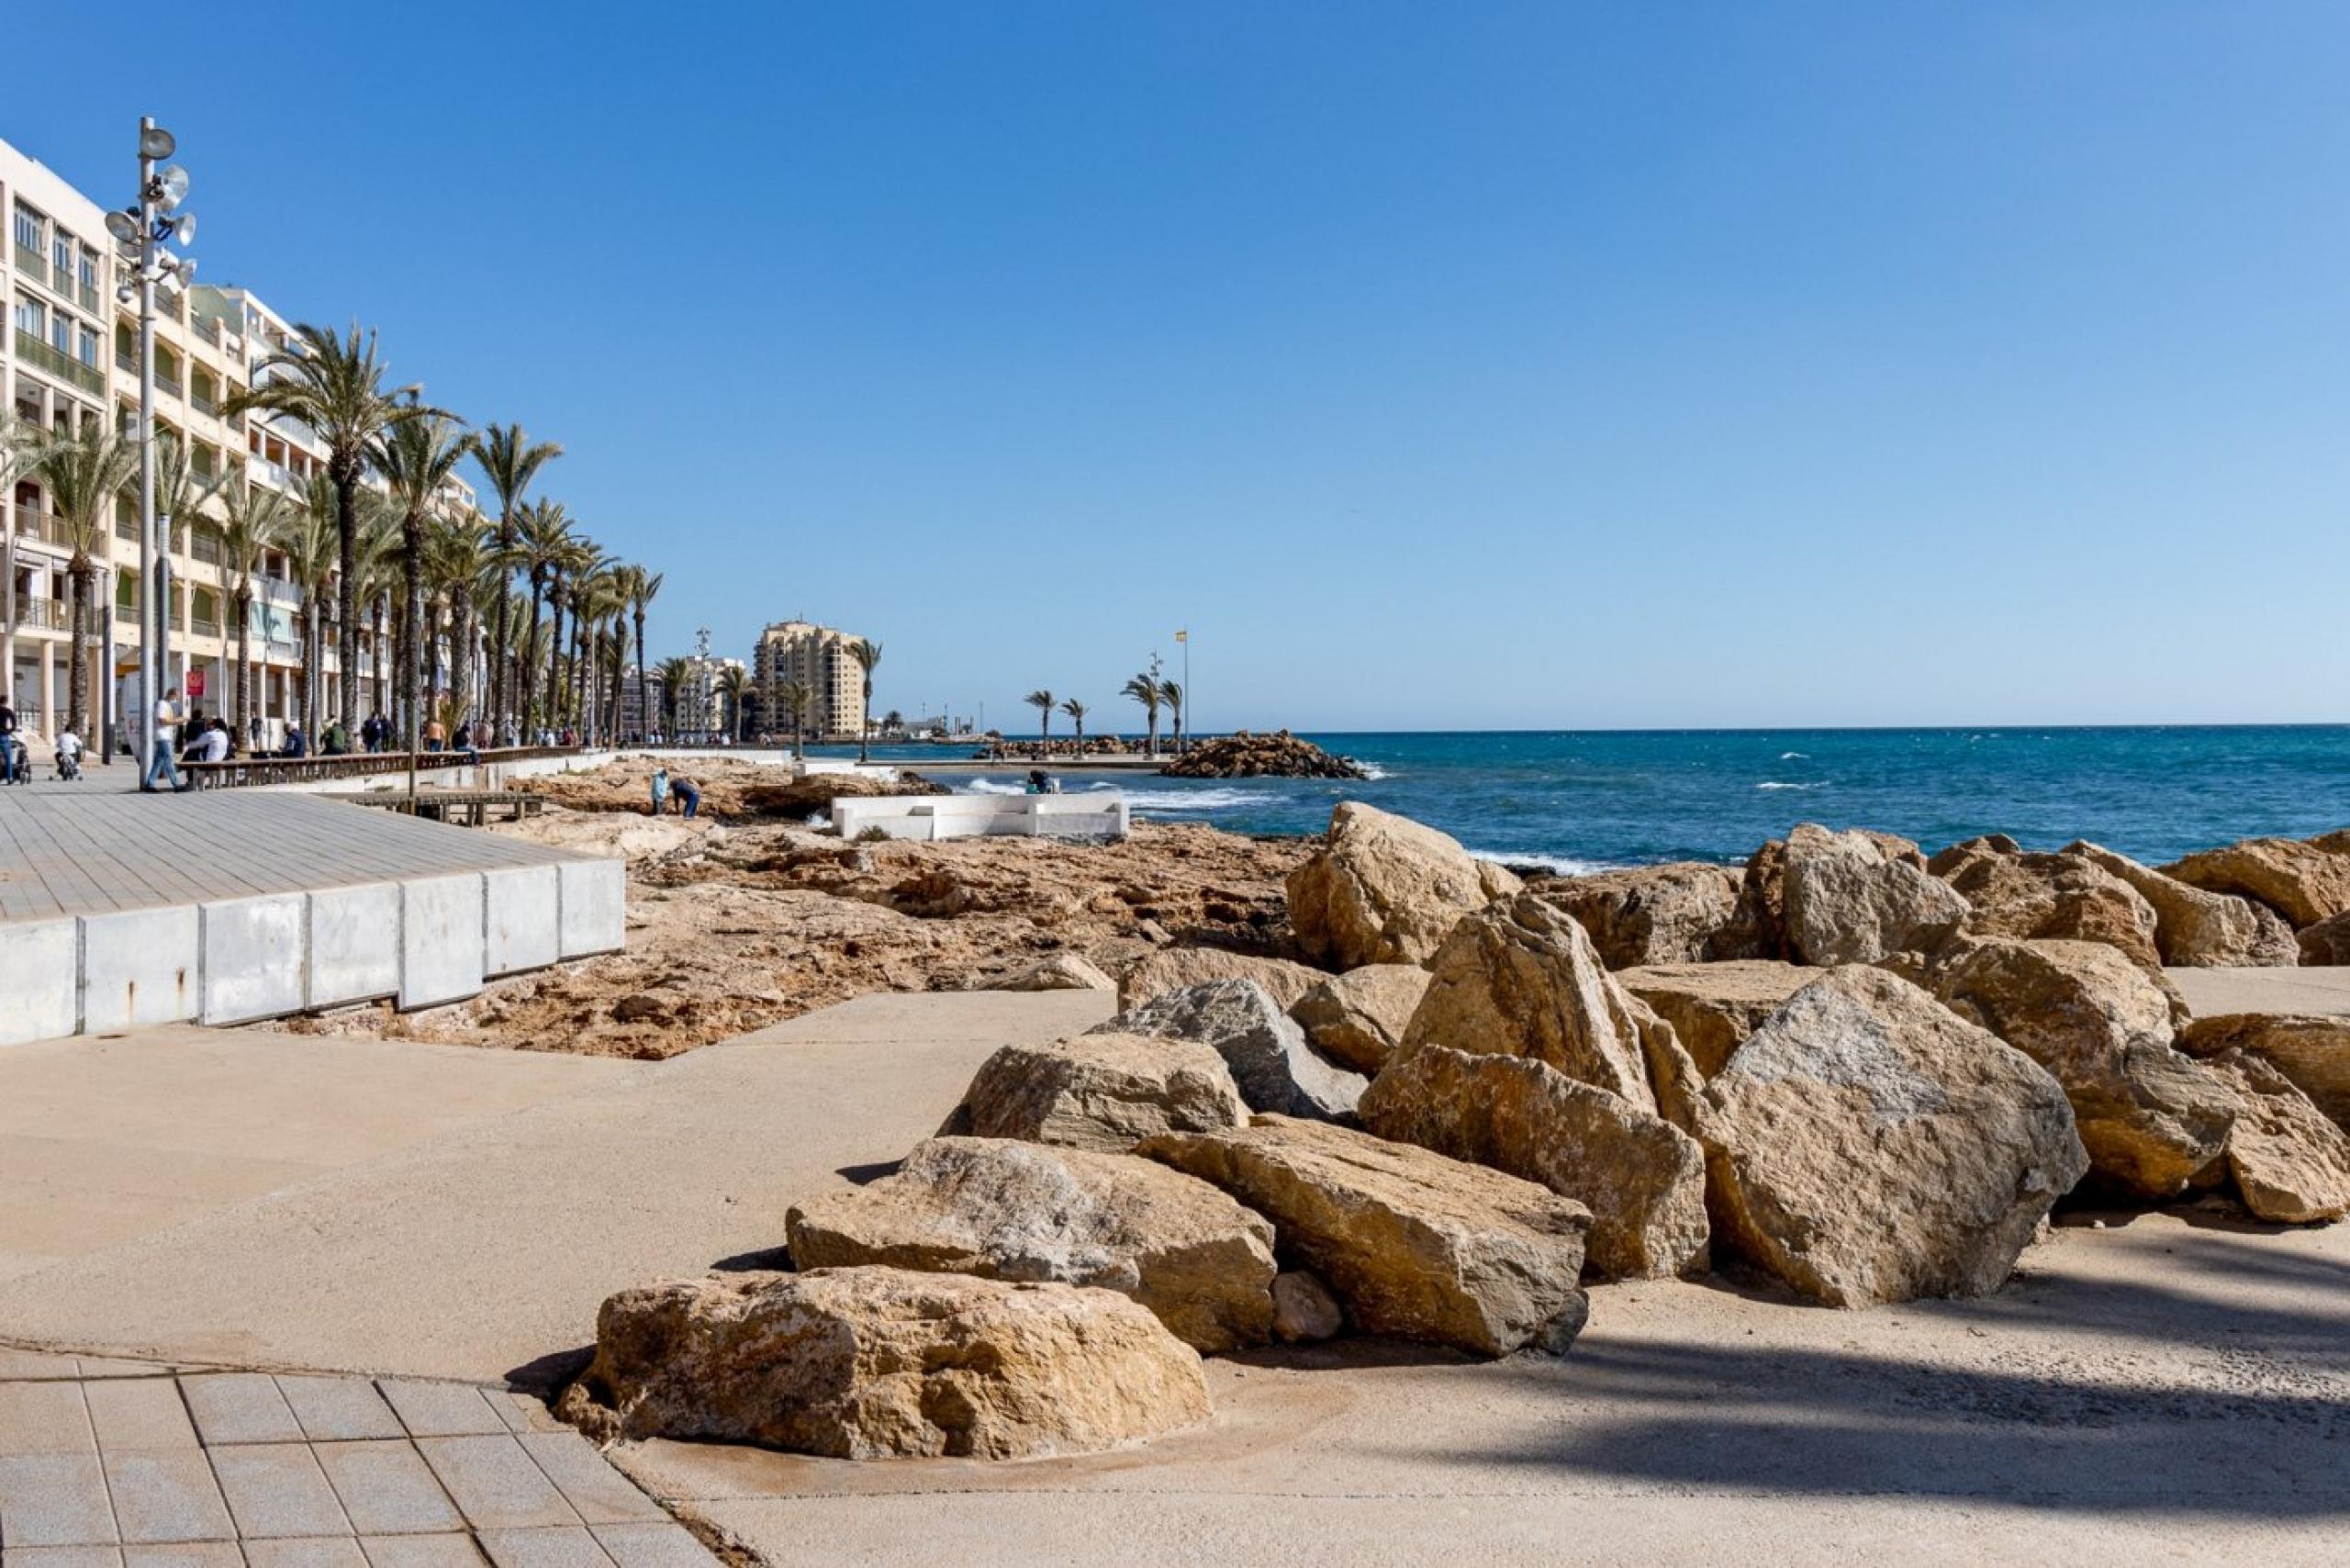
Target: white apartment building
<point>71,358</point>
<point>819,657</point>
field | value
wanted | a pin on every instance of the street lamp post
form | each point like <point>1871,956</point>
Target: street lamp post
<point>141,231</point>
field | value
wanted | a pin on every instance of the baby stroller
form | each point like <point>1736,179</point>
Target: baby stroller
<point>21,762</point>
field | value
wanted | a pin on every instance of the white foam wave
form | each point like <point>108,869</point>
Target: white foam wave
<point>1556,865</point>
<point>1373,771</point>
<point>1777,784</point>
<point>990,787</point>
<point>1205,799</point>
<point>1795,756</point>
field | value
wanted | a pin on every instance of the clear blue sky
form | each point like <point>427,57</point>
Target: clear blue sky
<point>1441,366</point>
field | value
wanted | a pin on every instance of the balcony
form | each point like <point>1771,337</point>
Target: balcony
<point>206,627</point>
<point>32,263</point>
<point>166,382</point>
<point>46,526</point>
<point>208,329</point>
<point>45,614</point>
<point>204,403</point>
<point>126,614</point>
<point>40,356</point>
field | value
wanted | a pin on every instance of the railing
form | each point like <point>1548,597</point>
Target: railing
<point>204,403</point>
<point>127,529</point>
<point>44,615</point>
<point>206,627</point>
<point>126,614</point>
<point>86,377</point>
<point>208,329</point>
<point>354,765</point>
<point>207,547</point>
<point>166,382</point>
<point>47,526</point>
<point>32,263</point>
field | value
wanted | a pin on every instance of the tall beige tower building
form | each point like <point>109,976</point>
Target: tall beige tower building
<point>822,660</point>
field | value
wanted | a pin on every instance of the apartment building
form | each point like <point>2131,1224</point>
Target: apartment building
<point>59,371</point>
<point>822,660</point>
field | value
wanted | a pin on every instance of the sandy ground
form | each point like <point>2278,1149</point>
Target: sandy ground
<point>2174,1386</point>
<point>745,917</point>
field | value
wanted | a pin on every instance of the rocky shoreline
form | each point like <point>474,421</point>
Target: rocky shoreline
<point>1438,1099</point>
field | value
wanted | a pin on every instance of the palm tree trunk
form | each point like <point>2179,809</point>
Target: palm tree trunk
<point>77,702</point>
<point>346,525</point>
<point>555,654</point>
<point>526,666</point>
<point>412,614</point>
<point>245,661</point>
<point>497,629</point>
<point>643,689</point>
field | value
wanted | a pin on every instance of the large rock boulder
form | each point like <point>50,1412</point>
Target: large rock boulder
<point>2197,929</point>
<point>2311,1051</point>
<point>1758,924</point>
<point>1276,1069</point>
<point>1412,1244</point>
<point>2326,942</point>
<point>1855,897</point>
<point>1005,1210</point>
<point>2301,883</point>
<point>876,1363</point>
<point>1384,890</point>
<point>1868,1145</point>
<point>2150,1118</point>
<point>1062,971</point>
<point>1103,1092</point>
<point>1713,1007</point>
<point>1650,915</point>
<point>1358,1019</point>
<point>1172,968</point>
<point>2291,1162</point>
<point>1521,979</point>
<point>1643,1179</point>
<point>2016,892</point>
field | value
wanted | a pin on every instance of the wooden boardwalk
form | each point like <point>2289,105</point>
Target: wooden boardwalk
<point>69,849</point>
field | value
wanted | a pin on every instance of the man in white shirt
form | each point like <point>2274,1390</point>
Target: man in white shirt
<point>167,735</point>
<point>215,742</point>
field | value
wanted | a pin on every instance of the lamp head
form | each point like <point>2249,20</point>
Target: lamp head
<point>123,227</point>
<point>173,183</point>
<point>154,142</point>
<point>184,229</point>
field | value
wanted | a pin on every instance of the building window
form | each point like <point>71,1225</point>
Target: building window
<point>60,259</point>
<point>31,320</point>
<point>86,347</point>
<point>28,229</point>
<point>61,332</point>
<point>89,271</point>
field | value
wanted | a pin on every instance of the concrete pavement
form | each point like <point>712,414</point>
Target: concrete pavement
<point>485,1248</point>
<point>2312,990</point>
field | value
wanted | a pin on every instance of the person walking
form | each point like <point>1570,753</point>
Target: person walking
<point>435,737</point>
<point>160,762</point>
<point>660,790</point>
<point>7,741</point>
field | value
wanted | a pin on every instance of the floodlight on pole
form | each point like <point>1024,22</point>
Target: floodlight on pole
<point>155,143</point>
<point>171,186</point>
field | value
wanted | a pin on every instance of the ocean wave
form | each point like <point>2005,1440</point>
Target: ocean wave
<point>1556,865</point>
<point>1205,799</point>
<point>1373,771</point>
<point>1778,784</point>
<point>1795,756</point>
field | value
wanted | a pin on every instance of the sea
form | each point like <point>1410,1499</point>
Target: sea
<point>1578,800</point>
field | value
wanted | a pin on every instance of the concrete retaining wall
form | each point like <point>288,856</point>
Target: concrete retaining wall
<point>1093,814</point>
<point>421,942</point>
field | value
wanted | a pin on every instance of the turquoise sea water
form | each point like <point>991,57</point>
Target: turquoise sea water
<point>1614,798</point>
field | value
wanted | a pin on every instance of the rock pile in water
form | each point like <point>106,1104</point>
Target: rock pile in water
<point>1243,756</point>
<point>1851,1069</point>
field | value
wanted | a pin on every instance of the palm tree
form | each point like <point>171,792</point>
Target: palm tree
<point>603,610</point>
<point>1173,695</point>
<point>510,459</point>
<point>672,676</point>
<point>547,539</point>
<point>84,476</point>
<point>735,682</point>
<point>1144,689</point>
<point>457,565</point>
<point>416,458</point>
<point>642,588</point>
<point>588,585</point>
<point>335,386</point>
<point>795,696</point>
<point>1043,702</point>
<point>256,518</point>
<point>866,653</point>
<point>378,543</point>
<point>309,541</point>
<point>1076,711</point>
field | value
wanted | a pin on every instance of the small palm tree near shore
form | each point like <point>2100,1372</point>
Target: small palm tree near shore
<point>1144,689</point>
<point>793,695</point>
<point>82,475</point>
<point>734,681</point>
<point>866,653</point>
<point>510,459</point>
<point>1076,711</point>
<point>1041,701</point>
<point>1173,695</point>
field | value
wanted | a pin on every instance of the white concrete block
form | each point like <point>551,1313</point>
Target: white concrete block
<point>41,980</point>
<point>253,957</point>
<point>441,939</point>
<point>138,966</point>
<point>595,906</point>
<point>522,920</point>
<point>355,944</point>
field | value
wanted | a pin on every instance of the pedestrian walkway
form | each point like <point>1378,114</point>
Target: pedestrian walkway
<point>108,1463</point>
<point>118,910</point>
<point>2312,990</point>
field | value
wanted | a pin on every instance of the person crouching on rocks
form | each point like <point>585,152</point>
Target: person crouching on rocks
<point>689,797</point>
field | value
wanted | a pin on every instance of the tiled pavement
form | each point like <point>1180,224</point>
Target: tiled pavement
<point>124,1464</point>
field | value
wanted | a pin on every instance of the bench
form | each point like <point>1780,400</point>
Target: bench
<point>1096,813</point>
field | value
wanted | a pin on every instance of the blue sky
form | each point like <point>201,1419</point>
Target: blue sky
<point>1453,365</point>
